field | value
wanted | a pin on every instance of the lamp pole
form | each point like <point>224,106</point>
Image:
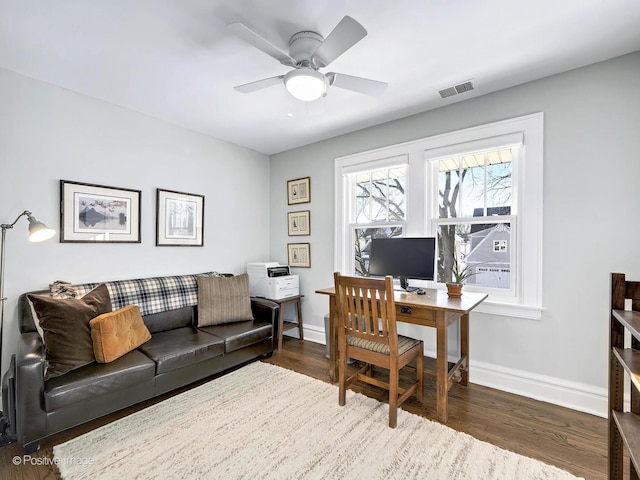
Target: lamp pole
<point>37,232</point>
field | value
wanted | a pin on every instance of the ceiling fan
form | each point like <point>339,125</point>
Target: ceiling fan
<point>308,52</point>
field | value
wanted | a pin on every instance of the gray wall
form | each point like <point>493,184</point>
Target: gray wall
<point>48,134</point>
<point>591,224</point>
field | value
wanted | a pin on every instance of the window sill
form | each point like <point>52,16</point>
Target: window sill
<point>493,307</point>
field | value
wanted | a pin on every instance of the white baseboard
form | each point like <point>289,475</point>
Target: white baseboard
<point>311,333</point>
<point>573,395</point>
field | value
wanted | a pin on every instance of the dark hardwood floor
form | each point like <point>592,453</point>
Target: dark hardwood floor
<point>574,441</point>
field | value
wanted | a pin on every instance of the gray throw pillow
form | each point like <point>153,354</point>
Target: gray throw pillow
<point>223,300</point>
<point>65,328</point>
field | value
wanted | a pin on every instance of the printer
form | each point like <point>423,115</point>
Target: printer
<point>272,280</point>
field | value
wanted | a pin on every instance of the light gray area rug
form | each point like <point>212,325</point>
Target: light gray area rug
<point>266,422</point>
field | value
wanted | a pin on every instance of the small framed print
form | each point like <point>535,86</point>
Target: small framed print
<point>299,254</point>
<point>99,214</point>
<point>179,219</point>
<point>299,190</point>
<point>299,223</point>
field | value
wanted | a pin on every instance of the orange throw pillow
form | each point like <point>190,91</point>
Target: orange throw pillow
<point>116,333</point>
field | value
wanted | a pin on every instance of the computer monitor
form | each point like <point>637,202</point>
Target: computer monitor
<point>404,258</point>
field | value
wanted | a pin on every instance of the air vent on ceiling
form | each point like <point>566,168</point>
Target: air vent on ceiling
<point>456,89</point>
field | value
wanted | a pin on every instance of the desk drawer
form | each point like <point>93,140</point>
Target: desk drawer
<point>416,314</point>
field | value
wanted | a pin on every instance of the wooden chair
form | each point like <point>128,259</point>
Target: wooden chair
<point>366,319</point>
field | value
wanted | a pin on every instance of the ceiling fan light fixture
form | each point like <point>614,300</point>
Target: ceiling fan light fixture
<point>306,84</point>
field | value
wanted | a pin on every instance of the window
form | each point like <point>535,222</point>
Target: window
<point>477,190</point>
<point>376,209</point>
<point>473,223</point>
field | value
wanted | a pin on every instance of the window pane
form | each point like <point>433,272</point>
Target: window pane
<point>448,188</point>
<point>486,248</point>
<point>380,195</point>
<point>363,195</point>
<point>472,197</point>
<point>362,247</point>
<point>396,193</point>
<point>499,185</point>
<point>475,185</point>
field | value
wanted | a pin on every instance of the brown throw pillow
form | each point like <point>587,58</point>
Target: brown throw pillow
<point>117,333</point>
<point>65,328</point>
<point>223,300</point>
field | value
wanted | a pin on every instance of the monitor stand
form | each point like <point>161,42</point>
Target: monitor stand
<point>404,284</point>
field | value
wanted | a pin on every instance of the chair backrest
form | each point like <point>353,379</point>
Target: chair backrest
<point>366,309</point>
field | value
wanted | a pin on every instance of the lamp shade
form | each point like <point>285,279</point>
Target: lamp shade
<point>38,231</point>
<point>306,84</point>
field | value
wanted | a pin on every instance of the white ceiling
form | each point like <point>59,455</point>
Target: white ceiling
<point>171,59</point>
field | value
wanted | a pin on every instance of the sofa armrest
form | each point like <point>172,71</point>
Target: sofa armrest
<point>266,311</point>
<point>30,415</point>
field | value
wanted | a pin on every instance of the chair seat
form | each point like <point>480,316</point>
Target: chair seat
<point>404,344</point>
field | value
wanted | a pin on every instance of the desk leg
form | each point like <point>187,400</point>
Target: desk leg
<point>442,367</point>
<point>333,340</point>
<point>280,326</point>
<point>464,347</point>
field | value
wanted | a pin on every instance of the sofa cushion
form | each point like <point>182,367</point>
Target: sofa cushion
<point>65,328</point>
<point>177,348</point>
<point>240,334</point>
<point>92,381</point>
<point>170,320</point>
<point>223,300</point>
<point>116,333</point>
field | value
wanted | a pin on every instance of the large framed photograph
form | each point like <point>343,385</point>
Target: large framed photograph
<point>92,213</point>
<point>179,219</point>
<point>299,254</point>
<point>299,190</point>
<point>299,223</point>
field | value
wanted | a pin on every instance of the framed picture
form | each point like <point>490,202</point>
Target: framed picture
<point>179,219</point>
<point>299,190</point>
<point>96,213</point>
<point>299,254</point>
<point>299,223</point>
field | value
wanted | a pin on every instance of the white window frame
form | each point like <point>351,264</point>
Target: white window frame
<point>345,231</point>
<point>527,204</point>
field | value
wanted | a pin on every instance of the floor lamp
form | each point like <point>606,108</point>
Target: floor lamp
<point>38,232</point>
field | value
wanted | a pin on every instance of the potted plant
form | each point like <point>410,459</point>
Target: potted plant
<point>458,276</point>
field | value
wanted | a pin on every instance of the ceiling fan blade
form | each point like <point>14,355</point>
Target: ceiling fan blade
<point>252,38</point>
<point>357,84</point>
<point>344,36</point>
<point>259,84</point>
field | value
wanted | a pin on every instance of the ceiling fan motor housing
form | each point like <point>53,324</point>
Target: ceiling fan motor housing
<point>302,46</point>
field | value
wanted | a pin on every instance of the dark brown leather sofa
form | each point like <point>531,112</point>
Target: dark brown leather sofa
<point>177,354</point>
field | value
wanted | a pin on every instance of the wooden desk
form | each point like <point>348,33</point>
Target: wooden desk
<point>435,309</point>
